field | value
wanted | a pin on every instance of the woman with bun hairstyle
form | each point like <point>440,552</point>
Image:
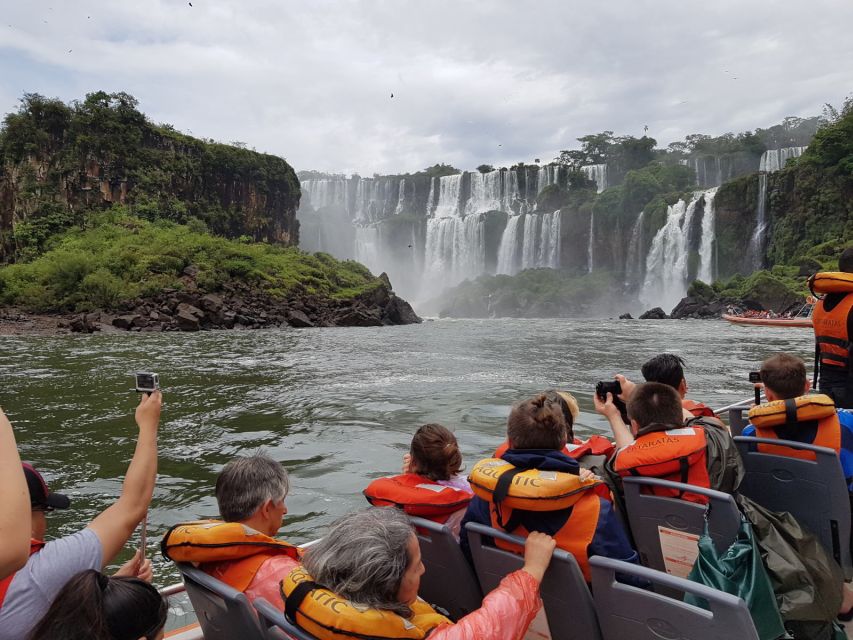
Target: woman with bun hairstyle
<point>535,472</point>
<point>431,485</point>
<point>92,606</point>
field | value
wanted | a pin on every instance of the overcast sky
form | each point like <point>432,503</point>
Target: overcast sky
<point>490,81</point>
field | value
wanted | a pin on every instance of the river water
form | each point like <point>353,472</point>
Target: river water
<point>336,406</point>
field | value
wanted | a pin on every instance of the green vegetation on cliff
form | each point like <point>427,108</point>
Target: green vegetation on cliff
<point>118,257</point>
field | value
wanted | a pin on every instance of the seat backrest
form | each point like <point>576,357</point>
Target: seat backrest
<point>448,581</point>
<point>276,626</point>
<point>737,420</point>
<point>813,491</point>
<point>223,612</point>
<point>656,521</point>
<point>568,603</point>
<point>629,612</point>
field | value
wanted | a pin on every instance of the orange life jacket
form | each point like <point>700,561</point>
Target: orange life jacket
<point>697,408</point>
<point>595,445</point>
<point>813,410</point>
<point>538,491</point>
<point>417,496</point>
<point>229,551</point>
<point>35,547</point>
<point>677,454</point>
<point>831,337</point>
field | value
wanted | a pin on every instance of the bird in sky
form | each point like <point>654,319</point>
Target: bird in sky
<point>190,3</point>
<point>392,95</point>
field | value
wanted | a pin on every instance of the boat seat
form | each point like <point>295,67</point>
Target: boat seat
<point>737,420</point>
<point>449,582</point>
<point>569,607</point>
<point>813,491</point>
<point>648,512</point>
<point>626,611</point>
<point>223,612</point>
<point>276,626</point>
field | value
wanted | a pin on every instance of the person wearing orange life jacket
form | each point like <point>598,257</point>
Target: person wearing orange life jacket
<point>581,521</point>
<point>431,485</point>
<point>832,318</point>
<point>362,581</point>
<point>790,414</point>
<point>659,443</point>
<point>240,550</point>
<point>668,369</point>
<point>27,595</point>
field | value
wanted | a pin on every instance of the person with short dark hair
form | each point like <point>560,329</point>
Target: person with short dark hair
<point>660,444</point>
<point>786,387</point>
<point>584,525</point>
<point>92,606</point>
<point>241,550</point>
<point>668,368</point>
<point>832,318</point>
<point>431,485</point>
<point>30,592</point>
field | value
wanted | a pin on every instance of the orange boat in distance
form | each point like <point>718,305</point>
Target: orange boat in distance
<point>802,319</point>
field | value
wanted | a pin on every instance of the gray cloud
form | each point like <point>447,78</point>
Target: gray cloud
<point>473,82</point>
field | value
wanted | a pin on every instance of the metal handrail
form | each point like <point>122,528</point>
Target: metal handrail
<point>172,589</point>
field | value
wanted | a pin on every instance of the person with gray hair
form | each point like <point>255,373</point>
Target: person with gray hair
<point>241,550</point>
<point>371,560</point>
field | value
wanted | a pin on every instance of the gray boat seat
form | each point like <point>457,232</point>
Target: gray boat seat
<point>276,626</point>
<point>648,513</point>
<point>626,612</point>
<point>813,491</point>
<point>569,608</point>
<point>223,612</point>
<point>449,582</point>
<point>737,420</point>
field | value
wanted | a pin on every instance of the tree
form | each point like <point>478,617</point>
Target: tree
<point>485,168</point>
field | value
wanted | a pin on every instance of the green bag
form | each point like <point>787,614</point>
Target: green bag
<point>740,572</point>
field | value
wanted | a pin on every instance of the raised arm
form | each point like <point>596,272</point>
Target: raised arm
<point>621,433</point>
<point>115,524</point>
<point>15,523</point>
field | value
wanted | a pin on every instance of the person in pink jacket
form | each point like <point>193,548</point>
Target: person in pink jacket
<point>371,560</point>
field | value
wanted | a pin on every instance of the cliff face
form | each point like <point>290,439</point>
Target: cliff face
<point>61,163</point>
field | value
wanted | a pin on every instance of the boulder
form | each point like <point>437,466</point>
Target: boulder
<point>124,322</point>
<point>211,303</point>
<point>189,309</point>
<point>654,314</point>
<point>626,316</point>
<point>358,317</point>
<point>398,311</point>
<point>186,321</point>
<point>297,318</point>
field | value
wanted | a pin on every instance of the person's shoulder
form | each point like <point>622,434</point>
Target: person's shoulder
<point>71,549</point>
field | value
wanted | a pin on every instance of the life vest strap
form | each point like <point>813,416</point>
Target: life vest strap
<point>294,600</point>
<point>791,411</point>
<point>502,491</point>
<point>835,342</point>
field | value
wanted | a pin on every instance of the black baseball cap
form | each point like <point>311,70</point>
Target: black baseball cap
<point>40,495</point>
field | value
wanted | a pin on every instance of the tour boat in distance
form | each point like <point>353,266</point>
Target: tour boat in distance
<point>802,319</point>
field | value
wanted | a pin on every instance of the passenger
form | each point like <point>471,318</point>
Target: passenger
<point>660,444</point>
<point>817,420</point>
<point>240,549</point>
<point>371,560</point>
<point>590,453</point>
<point>668,369</point>
<point>30,592</point>
<point>431,485</point>
<point>582,522</point>
<point>92,606</point>
<point>14,504</point>
<point>833,326</point>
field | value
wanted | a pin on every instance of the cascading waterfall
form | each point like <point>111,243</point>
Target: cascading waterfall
<point>325,192</point>
<point>771,160</point>
<point>455,250</point>
<point>449,196</point>
<point>368,247</point>
<point>528,242</point>
<point>634,263</point>
<point>401,197</point>
<point>706,247</point>
<point>598,174</point>
<point>430,205</point>
<point>508,249</point>
<point>590,248</point>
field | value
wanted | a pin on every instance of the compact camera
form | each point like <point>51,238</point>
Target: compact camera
<point>754,376</point>
<point>604,387</point>
<point>147,382</point>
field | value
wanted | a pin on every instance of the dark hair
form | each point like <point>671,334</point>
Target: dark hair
<point>784,375</point>
<point>536,423</point>
<point>655,407</point>
<point>92,606</point>
<point>435,452</point>
<point>845,262</point>
<point>665,368</point>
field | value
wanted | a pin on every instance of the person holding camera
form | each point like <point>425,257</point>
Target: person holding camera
<point>536,469</point>
<point>668,369</point>
<point>28,594</point>
<point>14,526</point>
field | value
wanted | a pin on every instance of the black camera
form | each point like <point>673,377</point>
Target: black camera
<point>147,382</point>
<point>754,376</point>
<point>604,387</point>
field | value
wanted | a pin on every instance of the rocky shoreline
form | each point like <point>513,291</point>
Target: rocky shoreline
<point>236,306</point>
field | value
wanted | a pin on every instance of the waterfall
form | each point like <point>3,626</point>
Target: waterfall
<point>368,247</point>
<point>598,174</point>
<point>455,250</point>
<point>401,196</point>
<point>528,241</point>
<point>508,250</point>
<point>666,278</point>
<point>772,160</point>
<point>634,261</point>
<point>547,175</point>
<point>430,198</point>
<point>549,243</point>
<point>324,192</point>
<point>589,251</point>
<point>449,194</point>
<point>486,192</point>
<point>706,247</point>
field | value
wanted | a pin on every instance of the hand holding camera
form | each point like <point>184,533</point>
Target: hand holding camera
<point>607,394</point>
<point>148,411</point>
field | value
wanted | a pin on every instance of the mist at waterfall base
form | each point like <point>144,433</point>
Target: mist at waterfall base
<point>429,234</point>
